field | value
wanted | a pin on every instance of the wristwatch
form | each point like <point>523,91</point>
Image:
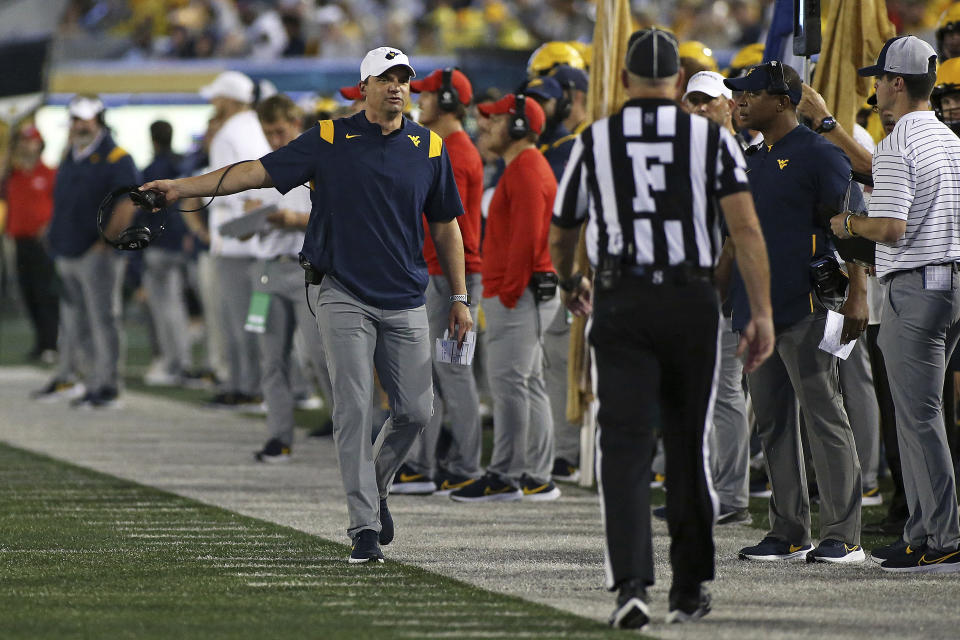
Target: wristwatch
<point>570,283</point>
<point>464,298</point>
<point>826,125</point>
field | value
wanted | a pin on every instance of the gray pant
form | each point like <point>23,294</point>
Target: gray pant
<point>456,394</point>
<point>799,370</point>
<point>233,296</point>
<point>357,337</point>
<point>90,317</point>
<point>287,315</point>
<point>522,423</point>
<point>919,331</point>
<point>860,401</point>
<point>163,280</point>
<point>730,437</point>
<point>556,349</point>
<point>204,279</point>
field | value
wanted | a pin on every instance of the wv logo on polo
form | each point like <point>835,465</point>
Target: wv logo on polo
<point>782,163</point>
<point>415,140</point>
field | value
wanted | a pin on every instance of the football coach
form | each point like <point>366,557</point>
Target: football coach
<point>373,176</point>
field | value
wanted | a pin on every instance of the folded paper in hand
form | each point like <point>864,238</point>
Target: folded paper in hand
<point>249,223</point>
<point>831,337</point>
<point>449,351</point>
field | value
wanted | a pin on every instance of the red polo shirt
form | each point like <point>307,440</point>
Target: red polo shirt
<point>515,244</point>
<point>468,173</point>
<point>29,196</point>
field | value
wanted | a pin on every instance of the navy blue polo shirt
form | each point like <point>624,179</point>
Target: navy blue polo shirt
<point>165,166</point>
<point>368,193</point>
<point>79,190</point>
<point>794,183</point>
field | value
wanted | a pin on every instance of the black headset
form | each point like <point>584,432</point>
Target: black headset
<point>519,126</point>
<point>778,82</point>
<point>448,98</point>
<point>138,236</point>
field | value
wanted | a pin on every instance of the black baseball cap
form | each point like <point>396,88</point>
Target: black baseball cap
<point>653,53</point>
<point>768,77</point>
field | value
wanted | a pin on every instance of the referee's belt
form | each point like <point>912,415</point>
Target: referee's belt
<point>680,274</point>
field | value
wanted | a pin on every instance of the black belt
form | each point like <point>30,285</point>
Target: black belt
<point>674,275</point>
<point>955,266</point>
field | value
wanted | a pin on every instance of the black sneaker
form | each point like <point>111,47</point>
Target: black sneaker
<point>871,497</point>
<point>538,491</point>
<point>366,548</point>
<point>565,471</point>
<point>733,515</point>
<point>687,605</point>
<point>924,560</point>
<point>447,482</point>
<point>760,488</point>
<point>59,389</point>
<point>660,512</point>
<point>836,552</point>
<point>105,398</point>
<point>85,401</point>
<point>199,379</point>
<point>489,488</point>
<point>632,611</point>
<point>773,549</point>
<point>657,480</point>
<point>274,451</point>
<point>896,549</point>
<point>228,400</point>
<point>386,523</point>
<point>410,483</point>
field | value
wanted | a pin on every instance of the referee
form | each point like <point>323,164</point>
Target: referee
<point>913,218</point>
<point>646,181</point>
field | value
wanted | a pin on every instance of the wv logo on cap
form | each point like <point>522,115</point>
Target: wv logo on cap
<point>391,55</point>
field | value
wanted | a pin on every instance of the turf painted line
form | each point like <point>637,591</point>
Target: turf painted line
<point>550,553</point>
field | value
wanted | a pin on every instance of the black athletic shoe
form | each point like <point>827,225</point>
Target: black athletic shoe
<point>632,611</point>
<point>228,400</point>
<point>660,512</point>
<point>836,552</point>
<point>687,605</point>
<point>489,488</point>
<point>366,549</point>
<point>924,560</point>
<point>565,471</point>
<point>409,482</point>
<point>535,491</point>
<point>386,523</point>
<point>448,482</point>
<point>59,389</point>
<point>85,401</point>
<point>733,515</point>
<point>105,398</point>
<point>274,451</point>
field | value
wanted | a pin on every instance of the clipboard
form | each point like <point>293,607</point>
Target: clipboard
<point>249,223</point>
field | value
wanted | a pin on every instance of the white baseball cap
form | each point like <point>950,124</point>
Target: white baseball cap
<point>708,82</point>
<point>907,55</point>
<point>85,107</point>
<point>382,58</point>
<point>229,84</point>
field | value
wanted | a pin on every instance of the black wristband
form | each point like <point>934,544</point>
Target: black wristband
<point>571,283</point>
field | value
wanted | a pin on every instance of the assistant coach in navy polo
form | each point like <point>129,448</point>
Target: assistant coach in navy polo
<point>374,175</point>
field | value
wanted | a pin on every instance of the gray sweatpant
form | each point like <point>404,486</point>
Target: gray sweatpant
<point>918,333</point>
<point>357,337</point>
<point>164,281</point>
<point>730,437</point>
<point>522,422</point>
<point>287,315</point>
<point>455,396</point>
<point>90,317</point>
<point>235,282</point>
<point>556,348</point>
<point>860,401</point>
<point>799,371</point>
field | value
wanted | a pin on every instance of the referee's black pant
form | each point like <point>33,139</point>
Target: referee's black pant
<point>656,349</point>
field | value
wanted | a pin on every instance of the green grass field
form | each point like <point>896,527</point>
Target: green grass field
<point>85,555</point>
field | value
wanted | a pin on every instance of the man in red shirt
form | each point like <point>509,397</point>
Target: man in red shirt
<point>515,258</point>
<point>444,96</point>
<point>28,199</point>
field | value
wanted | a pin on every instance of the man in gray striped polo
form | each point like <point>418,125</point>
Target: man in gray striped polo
<point>913,218</point>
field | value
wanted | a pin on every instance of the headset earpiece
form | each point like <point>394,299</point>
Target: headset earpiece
<point>519,127</point>
<point>137,237</point>
<point>134,238</point>
<point>447,98</point>
<point>780,85</point>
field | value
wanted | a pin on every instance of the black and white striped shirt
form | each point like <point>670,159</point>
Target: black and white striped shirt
<point>916,177</point>
<point>646,179</point>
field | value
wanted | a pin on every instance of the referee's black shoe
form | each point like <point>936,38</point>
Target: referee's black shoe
<point>632,611</point>
<point>687,605</point>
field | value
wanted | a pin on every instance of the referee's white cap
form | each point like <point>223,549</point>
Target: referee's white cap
<point>903,55</point>
<point>708,82</point>
<point>380,59</point>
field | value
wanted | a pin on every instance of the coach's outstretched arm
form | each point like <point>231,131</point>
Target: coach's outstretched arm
<point>241,177</point>
<point>751,255</point>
